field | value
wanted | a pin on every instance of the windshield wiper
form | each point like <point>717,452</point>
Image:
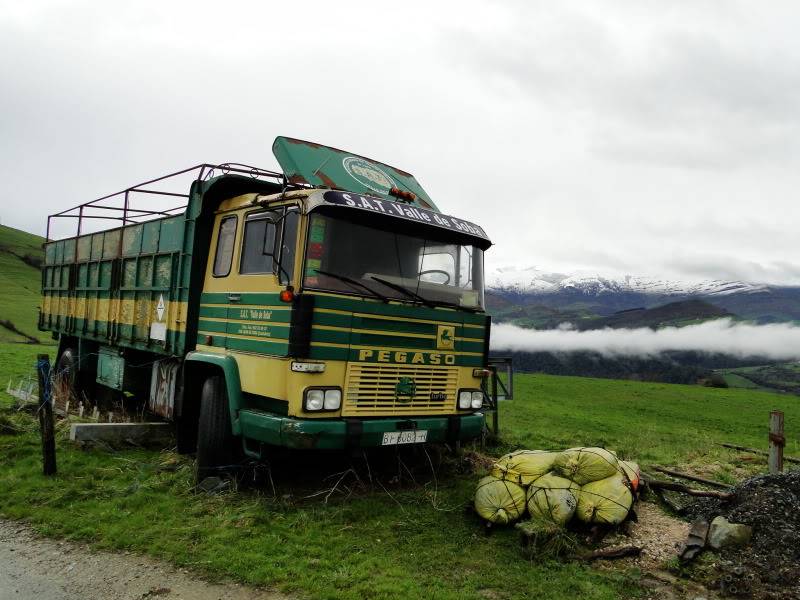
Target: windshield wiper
<point>353,282</point>
<point>426,301</point>
<point>403,290</point>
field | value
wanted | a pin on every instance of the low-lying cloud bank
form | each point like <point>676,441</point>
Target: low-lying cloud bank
<point>778,341</point>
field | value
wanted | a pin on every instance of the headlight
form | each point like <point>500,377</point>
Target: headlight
<point>315,399</point>
<point>470,399</point>
<point>333,399</point>
<point>477,399</point>
<point>321,399</point>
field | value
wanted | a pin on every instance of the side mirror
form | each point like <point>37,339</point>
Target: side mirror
<point>270,234</point>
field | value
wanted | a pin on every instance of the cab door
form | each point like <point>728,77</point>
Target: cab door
<point>254,309</point>
<point>217,293</point>
<point>258,320</point>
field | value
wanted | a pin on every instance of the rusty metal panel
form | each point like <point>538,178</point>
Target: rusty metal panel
<point>163,384</point>
<point>69,250</point>
<point>314,164</point>
<point>132,240</point>
<point>97,246</point>
<point>150,235</point>
<point>111,242</point>
<point>110,368</point>
<point>84,248</point>
<point>171,236</point>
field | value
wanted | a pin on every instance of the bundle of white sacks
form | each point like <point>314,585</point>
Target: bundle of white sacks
<point>590,483</point>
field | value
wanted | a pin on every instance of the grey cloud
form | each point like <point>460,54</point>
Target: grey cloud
<point>733,268</point>
<point>682,98</point>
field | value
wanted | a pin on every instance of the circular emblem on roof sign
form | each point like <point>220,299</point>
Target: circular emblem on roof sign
<point>367,174</point>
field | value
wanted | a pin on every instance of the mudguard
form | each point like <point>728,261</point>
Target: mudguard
<point>230,371</point>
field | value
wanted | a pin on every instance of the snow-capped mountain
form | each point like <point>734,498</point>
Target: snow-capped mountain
<point>534,282</point>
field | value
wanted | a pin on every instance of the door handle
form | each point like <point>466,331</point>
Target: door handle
<point>234,297</point>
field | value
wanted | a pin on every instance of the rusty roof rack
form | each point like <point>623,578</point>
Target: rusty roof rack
<point>98,209</point>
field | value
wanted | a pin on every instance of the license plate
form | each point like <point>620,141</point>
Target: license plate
<point>393,438</point>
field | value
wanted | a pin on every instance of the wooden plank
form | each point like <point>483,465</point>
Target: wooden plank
<point>46,419</point>
<point>680,475</point>
<point>790,459</point>
<point>139,434</point>
<point>776,442</point>
<point>679,487</point>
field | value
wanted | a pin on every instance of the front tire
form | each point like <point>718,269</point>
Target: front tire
<point>215,441</point>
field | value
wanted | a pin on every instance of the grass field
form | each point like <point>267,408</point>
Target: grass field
<point>651,422</point>
<point>393,537</point>
<point>735,380</point>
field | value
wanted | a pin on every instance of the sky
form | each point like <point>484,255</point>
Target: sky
<point>641,137</point>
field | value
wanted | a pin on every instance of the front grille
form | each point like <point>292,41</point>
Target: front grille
<point>371,389</point>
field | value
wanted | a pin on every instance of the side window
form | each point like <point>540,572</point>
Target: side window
<point>288,246</point>
<point>258,246</point>
<point>225,239</point>
<point>465,267</point>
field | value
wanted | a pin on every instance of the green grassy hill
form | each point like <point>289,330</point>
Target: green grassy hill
<point>674,314</point>
<point>21,255</point>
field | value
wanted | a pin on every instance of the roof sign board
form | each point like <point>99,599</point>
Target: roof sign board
<point>318,165</point>
<point>409,213</point>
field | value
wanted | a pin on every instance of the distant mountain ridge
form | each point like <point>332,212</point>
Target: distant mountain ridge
<point>672,314</point>
<point>536,282</point>
<point>535,298</point>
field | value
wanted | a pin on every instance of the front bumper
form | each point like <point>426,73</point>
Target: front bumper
<point>289,432</point>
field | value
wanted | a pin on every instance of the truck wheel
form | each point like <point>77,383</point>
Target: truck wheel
<point>66,375</point>
<point>215,442</point>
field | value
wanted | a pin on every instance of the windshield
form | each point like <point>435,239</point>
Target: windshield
<point>369,260</point>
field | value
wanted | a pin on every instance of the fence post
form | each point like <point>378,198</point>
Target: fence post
<point>776,442</point>
<point>495,417</point>
<point>46,423</point>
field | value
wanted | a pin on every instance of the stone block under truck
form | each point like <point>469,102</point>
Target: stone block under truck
<point>330,305</point>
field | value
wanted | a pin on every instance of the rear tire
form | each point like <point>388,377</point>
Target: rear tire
<point>66,375</point>
<point>215,441</point>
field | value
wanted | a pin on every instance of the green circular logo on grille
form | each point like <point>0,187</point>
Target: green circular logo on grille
<point>406,387</point>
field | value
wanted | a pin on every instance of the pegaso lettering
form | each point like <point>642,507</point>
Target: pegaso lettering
<point>413,358</point>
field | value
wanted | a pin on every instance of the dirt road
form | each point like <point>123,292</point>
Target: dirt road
<point>41,569</point>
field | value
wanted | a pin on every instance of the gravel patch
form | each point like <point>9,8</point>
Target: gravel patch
<point>34,567</point>
<point>771,505</point>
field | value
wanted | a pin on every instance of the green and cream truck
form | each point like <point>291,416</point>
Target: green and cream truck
<point>330,305</point>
